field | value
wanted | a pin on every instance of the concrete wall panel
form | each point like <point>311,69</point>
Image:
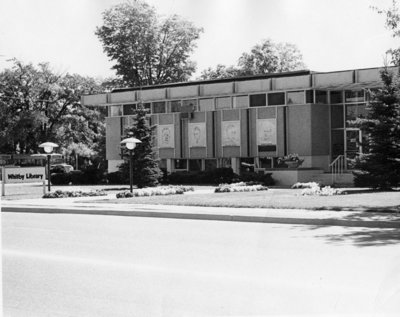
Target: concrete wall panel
<point>197,152</point>
<point>166,153</point>
<point>260,85</point>
<point>230,115</point>
<point>231,151</point>
<point>152,94</point>
<point>332,79</point>
<point>320,130</point>
<point>295,82</point>
<point>113,138</point>
<point>89,100</point>
<point>266,112</point>
<point>120,97</point>
<point>299,129</point>
<point>216,89</point>
<point>166,118</point>
<point>183,92</point>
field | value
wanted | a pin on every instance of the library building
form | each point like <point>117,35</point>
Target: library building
<point>261,123</point>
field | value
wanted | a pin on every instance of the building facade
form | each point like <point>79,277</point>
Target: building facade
<point>246,122</point>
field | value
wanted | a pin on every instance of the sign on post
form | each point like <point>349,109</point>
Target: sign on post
<point>12,175</point>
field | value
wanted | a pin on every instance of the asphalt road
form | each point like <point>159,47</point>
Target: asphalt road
<point>85,265</point>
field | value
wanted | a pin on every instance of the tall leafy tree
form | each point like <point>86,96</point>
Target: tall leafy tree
<point>265,57</point>
<point>392,23</point>
<point>146,48</point>
<point>379,167</point>
<point>38,105</point>
<point>145,165</point>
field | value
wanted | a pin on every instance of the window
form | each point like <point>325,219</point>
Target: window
<point>225,162</point>
<point>195,165</point>
<point>310,96</point>
<point>210,164</point>
<point>176,106</point>
<point>224,103</point>
<point>240,102</point>
<point>116,111</point>
<point>189,105</point>
<point>180,164</point>
<point>337,117</point>
<point>354,96</point>
<point>321,96</point>
<point>146,106</point>
<point>295,97</point>
<point>355,111</point>
<point>265,162</point>
<point>258,100</point>
<point>129,109</point>
<point>159,107</point>
<point>277,98</point>
<point>336,97</point>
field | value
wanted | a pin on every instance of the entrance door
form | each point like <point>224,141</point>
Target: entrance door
<point>353,146</point>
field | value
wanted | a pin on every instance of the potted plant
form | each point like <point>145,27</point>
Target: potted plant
<point>291,160</point>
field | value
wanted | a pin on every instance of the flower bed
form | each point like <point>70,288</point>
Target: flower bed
<point>299,185</point>
<point>156,191</point>
<point>77,193</point>
<point>321,191</point>
<point>239,187</point>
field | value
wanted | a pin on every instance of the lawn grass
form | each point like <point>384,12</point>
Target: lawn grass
<point>362,200</point>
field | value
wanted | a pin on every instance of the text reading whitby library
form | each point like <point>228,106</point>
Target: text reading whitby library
<point>247,121</point>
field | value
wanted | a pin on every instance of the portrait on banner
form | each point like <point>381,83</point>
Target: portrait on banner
<point>197,134</point>
<point>266,131</point>
<point>230,134</point>
<point>166,136</point>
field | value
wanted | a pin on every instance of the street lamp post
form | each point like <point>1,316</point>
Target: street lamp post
<point>130,144</point>
<point>48,148</point>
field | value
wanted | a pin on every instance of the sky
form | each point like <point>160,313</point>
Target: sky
<point>331,34</point>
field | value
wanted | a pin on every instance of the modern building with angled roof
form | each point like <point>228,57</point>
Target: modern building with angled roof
<point>249,122</point>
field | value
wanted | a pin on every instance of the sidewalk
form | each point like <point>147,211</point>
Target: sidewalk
<point>83,205</point>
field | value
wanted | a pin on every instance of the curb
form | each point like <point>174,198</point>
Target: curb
<point>207,216</point>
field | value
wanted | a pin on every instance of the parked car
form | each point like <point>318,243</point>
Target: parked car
<point>61,168</point>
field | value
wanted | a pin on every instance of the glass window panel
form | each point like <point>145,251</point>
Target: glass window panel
<point>277,98</point>
<point>355,111</point>
<point>116,111</point>
<point>225,162</point>
<point>195,165</point>
<point>337,143</point>
<point>258,100</point>
<point>224,103</point>
<point>354,96</point>
<point>310,96</point>
<point>295,97</point>
<point>321,96</point>
<point>336,96</point>
<point>337,117</point>
<point>206,104</point>
<point>175,105</point>
<point>129,109</point>
<point>180,164</point>
<point>159,107</point>
<point>191,103</point>
<point>265,162</point>
<point>210,164</point>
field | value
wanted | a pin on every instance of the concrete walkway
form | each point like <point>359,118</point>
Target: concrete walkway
<point>84,205</point>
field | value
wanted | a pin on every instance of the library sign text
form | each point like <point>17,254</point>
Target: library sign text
<point>24,174</point>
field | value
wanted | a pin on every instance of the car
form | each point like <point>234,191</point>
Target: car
<point>61,168</point>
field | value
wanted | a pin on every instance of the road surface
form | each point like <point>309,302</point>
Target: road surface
<point>87,265</point>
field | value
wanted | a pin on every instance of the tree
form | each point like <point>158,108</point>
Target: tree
<point>38,105</point>
<point>145,167</point>
<point>379,167</point>
<point>392,23</point>
<point>146,48</point>
<point>264,58</point>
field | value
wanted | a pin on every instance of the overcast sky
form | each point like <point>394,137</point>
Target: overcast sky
<point>331,34</point>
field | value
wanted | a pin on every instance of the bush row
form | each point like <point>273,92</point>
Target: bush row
<point>212,177</point>
<point>239,187</point>
<point>77,193</point>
